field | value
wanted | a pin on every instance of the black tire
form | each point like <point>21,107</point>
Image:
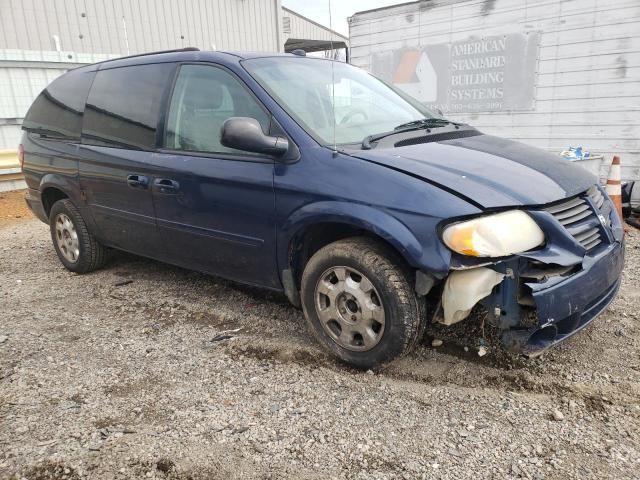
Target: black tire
<point>404,312</point>
<point>92,255</point>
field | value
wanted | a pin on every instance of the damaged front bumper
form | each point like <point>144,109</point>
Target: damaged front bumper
<point>540,298</point>
<point>565,305</point>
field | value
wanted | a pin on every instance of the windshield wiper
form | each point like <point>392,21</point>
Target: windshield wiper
<point>423,123</point>
<point>426,123</point>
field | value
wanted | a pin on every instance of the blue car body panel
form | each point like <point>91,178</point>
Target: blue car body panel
<point>503,173</point>
<point>559,299</point>
<point>323,188</point>
<point>239,218</point>
<point>124,217</point>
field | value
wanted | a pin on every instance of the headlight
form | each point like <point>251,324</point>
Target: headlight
<point>494,235</point>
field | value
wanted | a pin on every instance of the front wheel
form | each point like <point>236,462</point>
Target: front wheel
<point>358,301</point>
<point>77,248</point>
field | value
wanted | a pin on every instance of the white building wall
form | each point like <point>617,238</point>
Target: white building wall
<point>10,137</point>
<point>18,87</point>
<point>588,84</point>
<point>41,39</point>
<point>23,75</point>
<point>304,28</point>
<point>134,26</point>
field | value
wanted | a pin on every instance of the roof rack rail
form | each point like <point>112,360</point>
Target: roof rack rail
<point>186,49</point>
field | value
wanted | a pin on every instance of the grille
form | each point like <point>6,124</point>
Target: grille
<point>581,220</point>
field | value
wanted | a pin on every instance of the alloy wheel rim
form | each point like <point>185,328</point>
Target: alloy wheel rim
<point>349,308</point>
<point>67,238</point>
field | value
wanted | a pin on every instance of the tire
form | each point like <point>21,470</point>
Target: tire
<point>77,248</point>
<point>385,317</point>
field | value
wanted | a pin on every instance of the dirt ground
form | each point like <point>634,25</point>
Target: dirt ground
<point>13,207</point>
<point>143,370</point>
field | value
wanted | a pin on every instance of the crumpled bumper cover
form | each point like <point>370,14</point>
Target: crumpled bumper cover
<point>565,305</point>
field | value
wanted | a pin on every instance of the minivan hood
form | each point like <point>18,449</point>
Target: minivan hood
<point>490,171</point>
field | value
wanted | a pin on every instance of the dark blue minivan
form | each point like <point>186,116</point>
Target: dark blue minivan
<point>314,178</point>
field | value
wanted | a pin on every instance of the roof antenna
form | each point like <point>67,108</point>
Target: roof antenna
<point>333,81</point>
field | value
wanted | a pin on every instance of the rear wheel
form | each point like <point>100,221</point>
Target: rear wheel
<point>359,303</point>
<point>77,248</point>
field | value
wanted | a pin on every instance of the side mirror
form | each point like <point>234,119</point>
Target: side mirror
<point>244,133</point>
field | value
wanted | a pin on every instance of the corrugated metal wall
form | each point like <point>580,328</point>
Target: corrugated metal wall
<point>303,28</point>
<point>40,39</point>
<point>18,87</point>
<point>23,75</point>
<point>588,86</point>
<point>134,26</point>
<point>10,137</point>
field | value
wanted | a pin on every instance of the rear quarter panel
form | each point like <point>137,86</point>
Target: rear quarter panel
<point>53,159</point>
<point>53,164</point>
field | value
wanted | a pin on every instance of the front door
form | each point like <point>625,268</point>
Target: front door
<point>215,205</point>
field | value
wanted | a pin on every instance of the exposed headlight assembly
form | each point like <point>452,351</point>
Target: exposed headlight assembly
<point>495,235</point>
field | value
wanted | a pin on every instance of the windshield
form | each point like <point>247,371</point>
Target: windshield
<point>364,105</point>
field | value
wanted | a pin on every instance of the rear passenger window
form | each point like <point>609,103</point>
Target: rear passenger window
<point>124,105</point>
<point>203,98</point>
<point>57,112</point>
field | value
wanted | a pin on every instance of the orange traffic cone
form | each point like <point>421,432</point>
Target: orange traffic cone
<point>614,188</point>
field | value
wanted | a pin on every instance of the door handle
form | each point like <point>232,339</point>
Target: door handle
<point>137,181</point>
<point>166,185</point>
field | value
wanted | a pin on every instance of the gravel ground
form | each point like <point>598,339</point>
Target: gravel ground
<point>144,370</point>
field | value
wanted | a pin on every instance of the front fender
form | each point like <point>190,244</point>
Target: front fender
<point>373,220</point>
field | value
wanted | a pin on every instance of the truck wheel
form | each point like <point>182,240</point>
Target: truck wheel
<point>359,303</point>
<point>77,249</point>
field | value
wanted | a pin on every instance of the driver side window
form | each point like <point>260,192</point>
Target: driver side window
<point>203,98</point>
